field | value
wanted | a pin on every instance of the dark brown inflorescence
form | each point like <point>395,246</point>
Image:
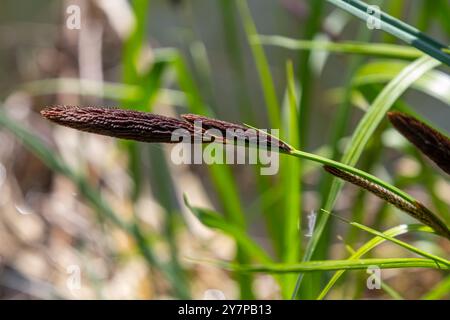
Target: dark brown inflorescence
<point>237,132</point>
<point>148,127</point>
<point>431,142</point>
<point>119,123</point>
<point>416,210</point>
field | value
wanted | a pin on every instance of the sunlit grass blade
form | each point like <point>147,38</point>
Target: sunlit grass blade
<point>434,83</point>
<point>374,242</point>
<point>383,103</point>
<point>332,265</point>
<point>349,47</point>
<point>290,183</point>
<point>134,43</point>
<point>391,291</point>
<point>396,241</point>
<point>440,291</point>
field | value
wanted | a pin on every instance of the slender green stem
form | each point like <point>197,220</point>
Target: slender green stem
<point>330,265</point>
<point>352,47</point>
<point>392,239</point>
<point>402,244</point>
<point>360,173</point>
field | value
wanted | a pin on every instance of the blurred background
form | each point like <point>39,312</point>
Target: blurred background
<point>89,217</point>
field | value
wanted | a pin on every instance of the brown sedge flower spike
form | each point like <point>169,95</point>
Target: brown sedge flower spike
<point>148,127</point>
<point>239,133</point>
<point>118,123</point>
<point>416,210</point>
<point>431,142</point>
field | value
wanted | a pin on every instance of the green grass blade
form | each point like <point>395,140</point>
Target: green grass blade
<point>290,185</point>
<point>440,291</point>
<point>348,47</point>
<point>398,242</point>
<point>383,103</point>
<point>390,291</point>
<point>262,65</point>
<point>150,82</point>
<point>332,265</point>
<point>133,44</point>
<point>194,100</point>
<point>434,83</point>
<point>374,242</point>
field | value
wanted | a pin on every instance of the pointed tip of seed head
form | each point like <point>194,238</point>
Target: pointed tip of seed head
<point>431,220</point>
<point>394,114</point>
<point>400,120</point>
<point>404,123</point>
<point>47,111</point>
<point>189,117</point>
<point>238,131</point>
<point>50,112</point>
<point>54,112</point>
